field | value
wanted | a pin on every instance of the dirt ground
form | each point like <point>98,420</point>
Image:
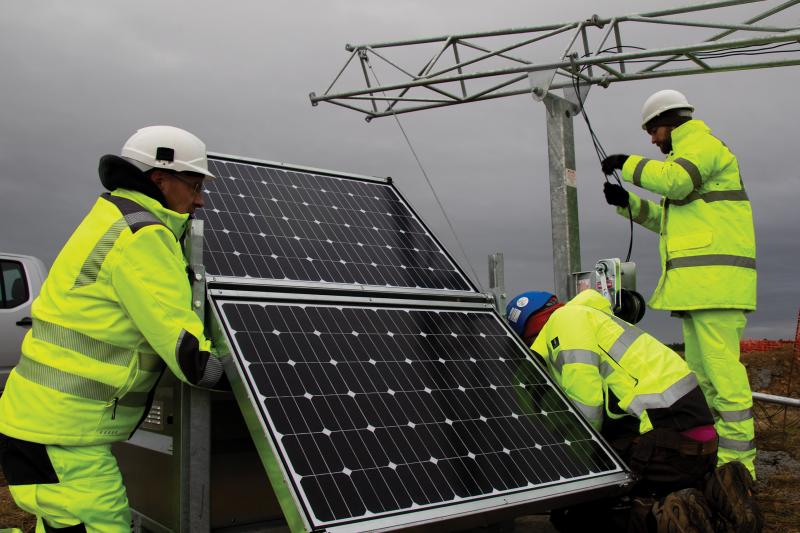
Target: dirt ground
<point>777,436</point>
<point>10,514</point>
<point>778,439</point>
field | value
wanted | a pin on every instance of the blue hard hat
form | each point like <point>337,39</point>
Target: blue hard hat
<point>521,307</point>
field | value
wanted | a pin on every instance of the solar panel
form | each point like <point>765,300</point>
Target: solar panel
<point>382,411</point>
<point>271,222</point>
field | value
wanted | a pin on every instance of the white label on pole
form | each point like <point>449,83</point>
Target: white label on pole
<point>571,177</point>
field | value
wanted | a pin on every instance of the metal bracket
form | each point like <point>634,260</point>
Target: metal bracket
<point>576,98</point>
<point>497,283</point>
<point>595,20</point>
<point>609,277</point>
<point>540,82</point>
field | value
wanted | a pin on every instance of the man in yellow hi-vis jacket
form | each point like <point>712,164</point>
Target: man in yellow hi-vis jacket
<point>708,255</point>
<point>113,312</point>
<point>646,402</point>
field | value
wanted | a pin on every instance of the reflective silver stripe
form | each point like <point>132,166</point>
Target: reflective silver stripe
<point>212,373</point>
<point>625,340</point>
<point>136,216</point>
<point>738,445</point>
<point>564,357</point>
<point>692,170</point>
<point>141,217</point>
<point>78,342</point>
<point>727,196</point>
<point>593,413</point>
<point>93,263</point>
<point>713,196</point>
<point>644,211</point>
<point>134,399</point>
<point>637,172</point>
<point>736,416</point>
<point>606,369</point>
<point>53,378</point>
<point>150,362</point>
<point>691,197</point>
<point>712,260</point>
<point>673,393</point>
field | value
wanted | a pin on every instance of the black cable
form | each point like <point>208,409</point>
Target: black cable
<point>618,48</point>
<point>687,60</point>
<point>736,50</point>
<point>743,49</point>
<point>747,50</point>
<point>601,154</point>
<point>717,53</point>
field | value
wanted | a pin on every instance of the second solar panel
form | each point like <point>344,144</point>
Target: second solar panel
<point>272,223</point>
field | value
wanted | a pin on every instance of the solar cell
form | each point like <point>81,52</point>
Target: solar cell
<point>381,410</point>
<point>265,221</point>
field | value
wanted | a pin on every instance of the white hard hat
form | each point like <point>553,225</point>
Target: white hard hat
<point>166,147</point>
<point>663,101</point>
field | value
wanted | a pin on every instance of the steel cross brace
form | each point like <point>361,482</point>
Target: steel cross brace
<point>605,63</point>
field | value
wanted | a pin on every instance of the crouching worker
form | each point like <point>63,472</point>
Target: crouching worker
<point>645,401</point>
<point>114,312</point>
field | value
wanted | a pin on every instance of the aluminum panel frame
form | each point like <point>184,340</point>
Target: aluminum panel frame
<point>222,281</point>
<point>346,298</point>
<point>292,167</point>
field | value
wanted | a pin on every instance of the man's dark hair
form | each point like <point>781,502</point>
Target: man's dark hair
<point>670,117</point>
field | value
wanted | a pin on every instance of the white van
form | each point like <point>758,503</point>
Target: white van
<point>21,278</point>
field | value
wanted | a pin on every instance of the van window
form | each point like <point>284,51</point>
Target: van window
<point>13,285</point>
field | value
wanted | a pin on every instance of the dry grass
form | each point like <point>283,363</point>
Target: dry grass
<point>778,439</point>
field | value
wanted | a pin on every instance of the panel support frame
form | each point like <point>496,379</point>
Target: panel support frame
<point>497,281</point>
<point>194,439</point>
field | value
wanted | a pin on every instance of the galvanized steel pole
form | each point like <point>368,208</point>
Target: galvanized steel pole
<point>771,398</point>
<point>194,443</point>
<point>563,192</point>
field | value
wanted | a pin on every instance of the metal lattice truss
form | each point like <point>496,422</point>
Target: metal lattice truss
<point>481,66</point>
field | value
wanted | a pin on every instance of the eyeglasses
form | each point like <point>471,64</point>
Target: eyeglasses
<point>196,186</point>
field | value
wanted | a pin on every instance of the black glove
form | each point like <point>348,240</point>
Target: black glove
<point>613,162</point>
<point>615,194</point>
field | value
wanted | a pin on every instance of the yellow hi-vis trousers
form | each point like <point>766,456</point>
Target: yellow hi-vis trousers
<point>712,352</point>
<point>88,496</point>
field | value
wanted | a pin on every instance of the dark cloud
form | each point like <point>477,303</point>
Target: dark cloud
<point>79,77</point>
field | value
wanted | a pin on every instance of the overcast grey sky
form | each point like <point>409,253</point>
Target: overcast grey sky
<point>79,77</point>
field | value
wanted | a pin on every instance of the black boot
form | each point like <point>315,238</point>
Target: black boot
<point>729,491</point>
<point>683,511</point>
